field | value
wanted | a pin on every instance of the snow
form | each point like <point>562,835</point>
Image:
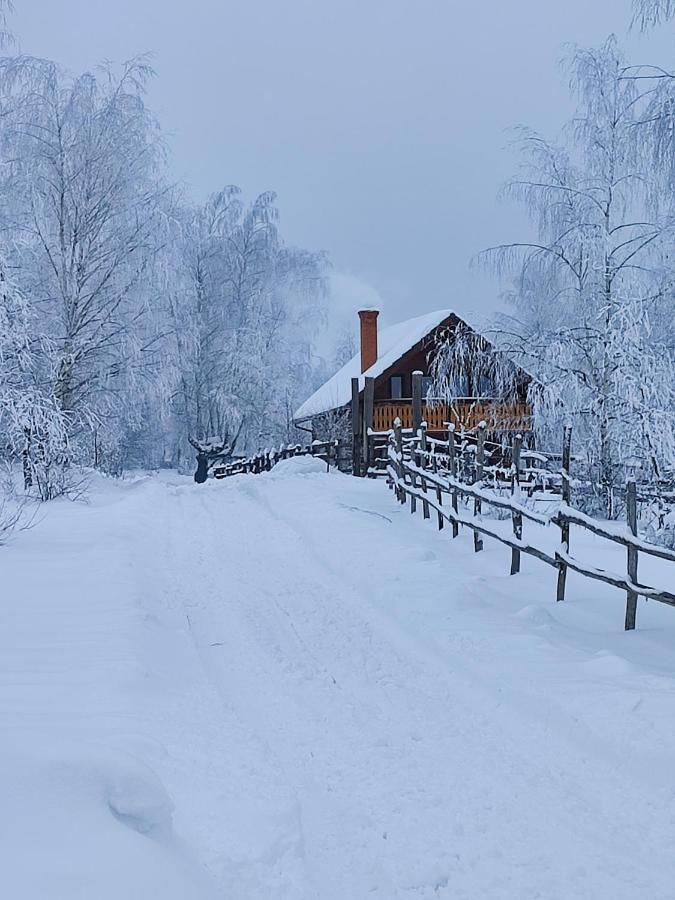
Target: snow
<point>297,465</point>
<point>286,686</point>
<point>392,343</point>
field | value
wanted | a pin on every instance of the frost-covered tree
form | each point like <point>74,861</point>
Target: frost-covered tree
<point>34,428</point>
<point>464,364</point>
<point>594,289</point>
<point>79,194</point>
<point>6,35</point>
<point>157,319</point>
<point>347,347</point>
<point>242,306</point>
<point>651,12</point>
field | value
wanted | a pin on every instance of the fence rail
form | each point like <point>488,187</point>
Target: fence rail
<point>424,473</point>
<point>264,460</point>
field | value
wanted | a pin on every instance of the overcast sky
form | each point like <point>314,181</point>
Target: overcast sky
<point>381,124</point>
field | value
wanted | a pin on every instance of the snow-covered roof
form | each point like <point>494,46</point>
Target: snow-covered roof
<point>392,343</point>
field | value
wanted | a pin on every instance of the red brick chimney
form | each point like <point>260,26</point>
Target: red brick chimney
<point>368,319</point>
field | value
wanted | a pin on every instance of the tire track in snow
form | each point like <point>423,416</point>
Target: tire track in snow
<point>402,787</point>
<point>266,649</point>
<point>233,802</point>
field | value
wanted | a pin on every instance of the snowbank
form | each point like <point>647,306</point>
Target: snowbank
<point>298,465</point>
<point>83,822</point>
<point>84,812</point>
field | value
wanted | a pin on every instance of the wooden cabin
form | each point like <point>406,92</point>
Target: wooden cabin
<point>390,357</point>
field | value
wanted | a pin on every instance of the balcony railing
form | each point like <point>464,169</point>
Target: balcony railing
<point>465,412</point>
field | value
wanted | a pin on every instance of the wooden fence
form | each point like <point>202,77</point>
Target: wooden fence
<point>438,475</point>
<point>370,416</point>
<point>426,473</point>
<point>264,460</point>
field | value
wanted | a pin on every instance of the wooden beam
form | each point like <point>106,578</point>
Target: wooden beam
<point>564,525</point>
<point>417,400</point>
<point>480,461</point>
<point>453,474</point>
<point>368,412</point>
<point>516,517</point>
<point>631,515</point>
<point>356,428</point>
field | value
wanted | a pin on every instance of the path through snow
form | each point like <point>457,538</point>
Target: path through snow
<point>338,703</point>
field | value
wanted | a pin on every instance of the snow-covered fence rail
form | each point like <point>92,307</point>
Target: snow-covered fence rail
<point>265,460</point>
<point>426,478</point>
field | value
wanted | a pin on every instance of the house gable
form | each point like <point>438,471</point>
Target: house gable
<point>395,342</point>
<point>413,360</point>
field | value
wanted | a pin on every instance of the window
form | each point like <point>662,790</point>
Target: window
<point>396,387</point>
<point>427,381</point>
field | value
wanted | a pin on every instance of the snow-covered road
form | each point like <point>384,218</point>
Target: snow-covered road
<point>338,703</point>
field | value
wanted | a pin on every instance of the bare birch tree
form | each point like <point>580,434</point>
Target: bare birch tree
<point>80,197</point>
<point>595,285</point>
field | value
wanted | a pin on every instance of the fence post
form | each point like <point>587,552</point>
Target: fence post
<point>368,412</point>
<point>413,476</point>
<point>480,460</point>
<point>423,444</point>
<point>515,494</point>
<point>452,455</point>
<point>564,524</point>
<point>439,493</point>
<point>398,440</point>
<point>414,459</point>
<point>423,465</point>
<point>468,460</point>
<point>631,515</point>
<point>391,445</point>
<point>356,428</point>
<point>439,499</point>
<point>416,400</point>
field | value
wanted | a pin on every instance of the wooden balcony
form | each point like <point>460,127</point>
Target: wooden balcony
<point>463,413</point>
